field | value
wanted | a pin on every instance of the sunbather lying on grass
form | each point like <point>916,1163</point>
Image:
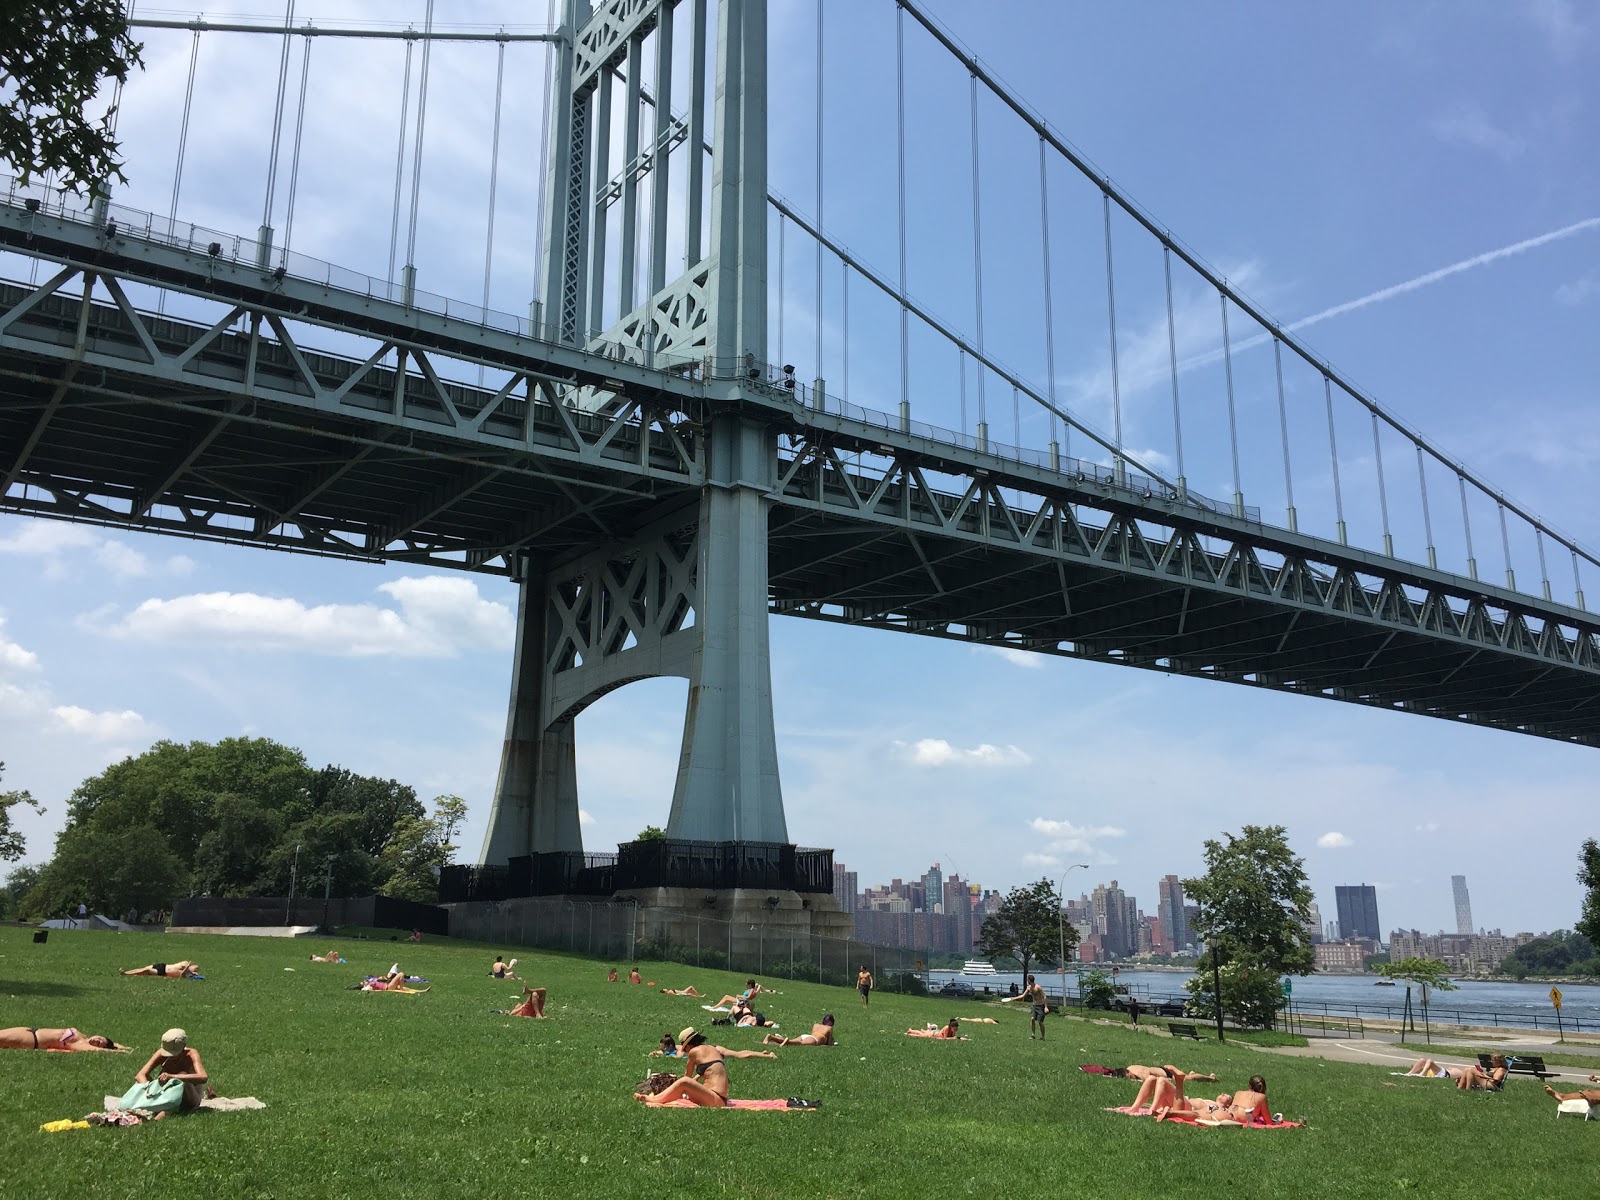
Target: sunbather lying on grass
<point>1137,1071</point>
<point>945,1033</point>
<point>1165,1096</point>
<point>331,956</point>
<point>688,991</point>
<point>821,1035</point>
<point>1466,1078</point>
<point>1592,1095</point>
<point>705,1078</point>
<point>177,970</point>
<point>29,1037</point>
<point>395,981</point>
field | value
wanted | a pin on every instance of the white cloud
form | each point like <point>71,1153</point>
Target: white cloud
<point>57,542</point>
<point>13,657</point>
<point>437,616</point>
<point>1040,860</point>
<point>1469,126</point>
<point>1069,842</point>
<point>585,817</point>
<point>1560,23</point>
<point>100,725</point>
<point>1029,659</point>
<point>1575,293</point>
<point>122,561</point>
<point>1334,841</point>
<point>1428,827</point>
<point>180,564</point>
<point>936,752</point>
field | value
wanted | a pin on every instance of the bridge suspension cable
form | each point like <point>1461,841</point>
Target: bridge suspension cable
<point>265,244</point>
<point>399,164</point>
<point>294,162</point>
<point>409,272</point>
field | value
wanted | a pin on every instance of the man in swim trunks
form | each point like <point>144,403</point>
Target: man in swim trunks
<point>1033,993</point>
<point>177,970</point>
<point>864,985</point>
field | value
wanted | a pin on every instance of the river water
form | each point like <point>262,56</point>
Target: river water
<point>1474,1002</point>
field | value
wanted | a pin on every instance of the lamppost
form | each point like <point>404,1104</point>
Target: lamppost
<point>1061,928</point>
<point>294,871</point>
<point>327,890</point>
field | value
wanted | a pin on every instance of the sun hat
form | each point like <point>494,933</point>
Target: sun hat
<point>688,1033</point>
<point>174,1041</point>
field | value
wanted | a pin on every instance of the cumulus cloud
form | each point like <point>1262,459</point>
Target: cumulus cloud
<point>585,817</point>
<point>1032,859</point>
<point>13,657</point>
<point>1470,126</point>
<point>936,752</point>
<point>102,726</point>
<point>1334,841</point>
<point>1579,290</point>
<point>54,543</point>
<point>435,616</point>
<point>1067,842</point>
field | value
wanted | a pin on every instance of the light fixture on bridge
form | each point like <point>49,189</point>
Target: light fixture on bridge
<point>32,204</point>
<point>279,271</point>
<point>1146,494</point>
<point>788,376</point>
<point>773,902</point>
<point>215,249</point>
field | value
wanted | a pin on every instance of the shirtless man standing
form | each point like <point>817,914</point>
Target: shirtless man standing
<point>1033,993</point>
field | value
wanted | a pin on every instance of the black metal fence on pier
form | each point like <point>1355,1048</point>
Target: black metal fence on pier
<point>660,862</point>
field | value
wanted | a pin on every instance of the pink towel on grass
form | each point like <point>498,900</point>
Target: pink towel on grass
<point>1189,1118</point>
<point>762,1105</point>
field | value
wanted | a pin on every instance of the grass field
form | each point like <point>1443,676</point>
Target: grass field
<point>423,1096</point>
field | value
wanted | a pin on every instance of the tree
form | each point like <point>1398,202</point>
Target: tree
<point>54,55</point>
<point>449,813</point>
<point>651,833</point>
<point>1426,972</point>
<point>1589,875</point>
<point>1251,994</point>
<point>11,841</point>
<point>18,884</point>
<point>1095,989</point>
<point>1027,925</point>
<point>1253,901</point>
<point>109,867</point>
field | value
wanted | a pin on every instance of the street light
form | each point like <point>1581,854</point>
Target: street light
<point>327,890</point>
<point>1061,928</point>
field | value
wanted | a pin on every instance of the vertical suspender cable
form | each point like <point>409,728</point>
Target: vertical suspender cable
<point>1333,455</point>
<point>277,122</point>
<point>183,133</point>
<point>1427,517</point>
<point>1111,322</point>
<point>1233,424</point>
<point>1172,362</point>
<point>1544,570</point>
<point>1577,581</point>
<point>783,222</point>
<point>494,181</point>
<point>977,259</point>
<point>900,136</point>
<point>544,154</point>
<point>1383,491</point>
<point>1049,307</point>
<point>416,160</point>
<point>400,159</point>
<point>1466,525</point>
<point>820,368</point>
<point>1283,429</point>
<point>1016,417</point>
<point>294,161</point>
<point>1505,547</point>
<point>962,360</point>
<point>844,332</point>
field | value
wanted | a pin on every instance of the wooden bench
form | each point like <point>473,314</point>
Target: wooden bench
<point>1520,1064</point>
<point>1183,1029</point>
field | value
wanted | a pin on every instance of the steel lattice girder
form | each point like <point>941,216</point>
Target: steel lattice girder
<point>1094,576</point>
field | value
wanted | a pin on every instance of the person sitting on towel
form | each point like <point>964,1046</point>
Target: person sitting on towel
<point>821,1035</point>
<point>29,1037</point>
<point>177,1060</point>
<point>1467,1078</point>
<point>532,1004</point>
<point>705,1077</point>
<point>502,969</point>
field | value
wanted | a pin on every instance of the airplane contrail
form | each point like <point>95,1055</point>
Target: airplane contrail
<point>1466,264</point>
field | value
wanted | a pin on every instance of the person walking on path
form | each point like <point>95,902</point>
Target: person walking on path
<point>1033,993</point>
<point>864,985</point>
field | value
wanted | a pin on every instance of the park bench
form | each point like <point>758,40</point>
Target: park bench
<point>1520,1064</point>
<point>1183,1029</point>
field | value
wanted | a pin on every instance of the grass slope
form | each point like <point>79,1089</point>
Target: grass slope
<point>432,1096</point>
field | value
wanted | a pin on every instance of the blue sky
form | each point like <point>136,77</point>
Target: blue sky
<point>1316,157</point>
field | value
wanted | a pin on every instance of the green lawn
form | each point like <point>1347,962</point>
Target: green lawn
<point>423,1096</point>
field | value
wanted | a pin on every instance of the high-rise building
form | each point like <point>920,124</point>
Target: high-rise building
<point>933,889</point>
<point>1463,905</point>
<point>1170,912</point>
<point>1115,915</point>
<point>958,913</point>
<point>1358,910</point>
<point>844,887</point>
<point>1314,923</point>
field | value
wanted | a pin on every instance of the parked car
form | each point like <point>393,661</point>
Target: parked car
<point>956,988</point>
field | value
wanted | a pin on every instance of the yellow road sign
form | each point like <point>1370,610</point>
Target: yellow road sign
<point>1555,996</point>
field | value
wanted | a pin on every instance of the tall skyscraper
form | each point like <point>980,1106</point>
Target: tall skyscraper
<point>1114,915</point>
<point>1314,923</point>
<point>1463,905</point>
<point>1170,912</point>
<point>933,889</point>
<point>1358,911</point>
<point>844,888</point>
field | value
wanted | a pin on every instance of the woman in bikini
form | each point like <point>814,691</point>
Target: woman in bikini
<point>177,970</point>
<point>705,1078</point>
<point>395,981</point>
<point>502,969</point>
<point>331,956</point>
<point>1139,1072</point>
<point>821,1035</point>
<point>532,1004</point>
<point>688,991</point>
<point>750,989</point>
<point>29,1037</point>
<point>1592,1095</point>
<point>945,1033</point>
<point>1466,1078</point>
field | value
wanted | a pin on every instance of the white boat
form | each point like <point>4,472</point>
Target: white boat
<point>975,967</point>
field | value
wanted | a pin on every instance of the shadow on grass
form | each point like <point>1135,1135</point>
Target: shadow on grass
<point>37,987</point>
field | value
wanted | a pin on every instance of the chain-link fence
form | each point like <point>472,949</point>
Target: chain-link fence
<point>623,933</point>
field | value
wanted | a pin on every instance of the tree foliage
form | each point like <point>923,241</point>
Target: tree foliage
<point>54,56</point>
<point>11,841</point>
<point>1027,926</point>
<point>1589,876</point>
<point>1254,901</point>
<point>651,833</point>
<point>1429,972</point>
<point>1560,953</point>
<point>1095,989</point>
<point>237,818</point>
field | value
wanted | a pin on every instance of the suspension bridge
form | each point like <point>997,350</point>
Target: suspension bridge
<point>638,450</point>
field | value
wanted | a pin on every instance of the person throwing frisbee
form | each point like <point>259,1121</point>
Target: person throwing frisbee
<point>1033,993</point>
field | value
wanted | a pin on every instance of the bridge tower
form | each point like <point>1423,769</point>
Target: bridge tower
<point>687,595</point>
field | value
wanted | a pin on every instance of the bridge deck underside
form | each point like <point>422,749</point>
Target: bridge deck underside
<point>829,568</point>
